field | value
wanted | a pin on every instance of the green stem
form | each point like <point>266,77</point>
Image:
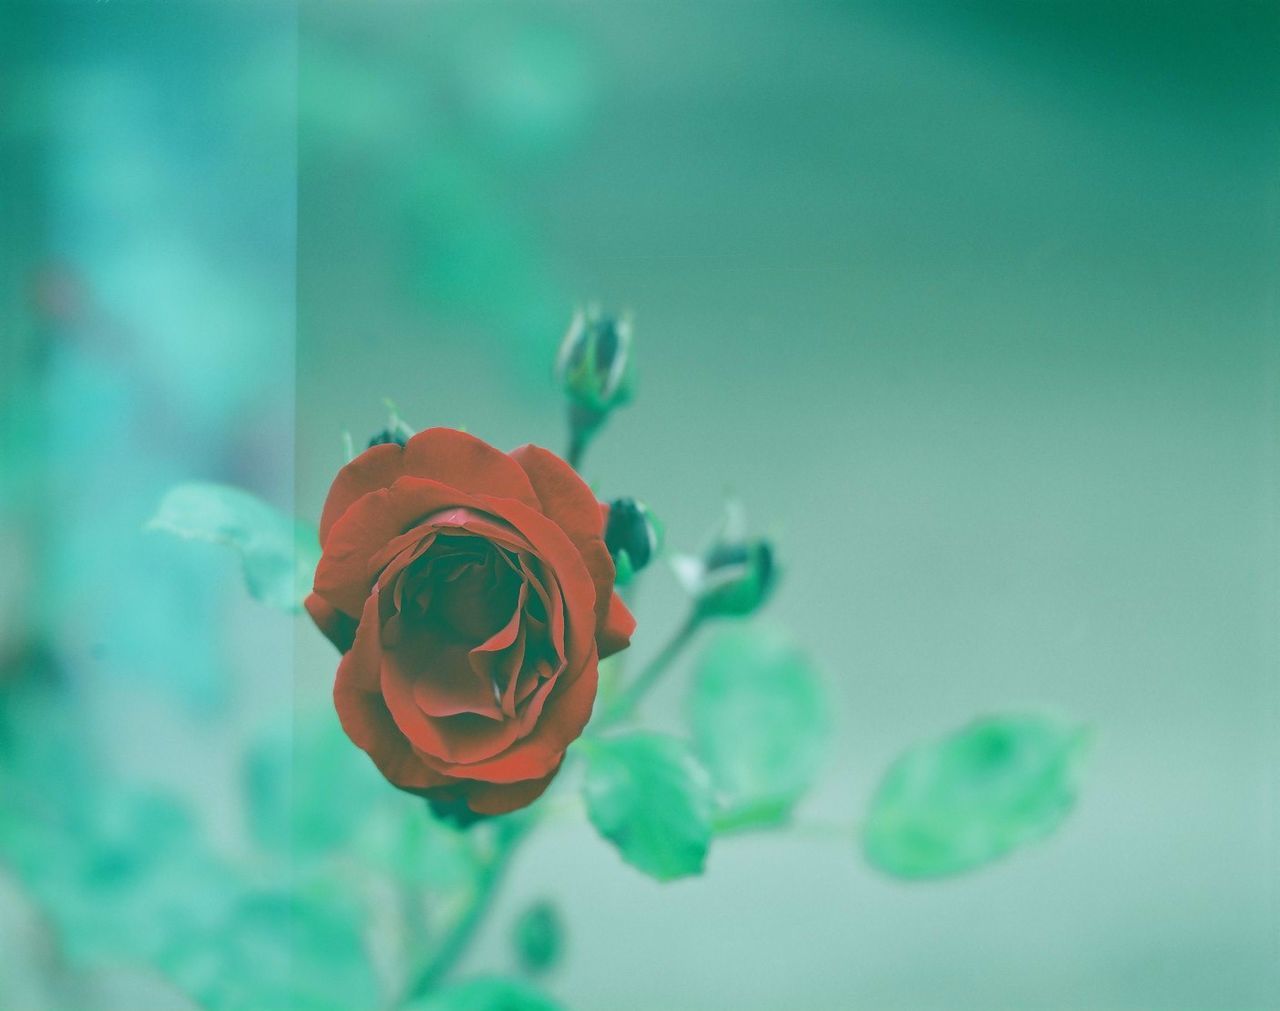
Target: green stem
<point>624,705</point>
<point>584,423</point>
<point>511,834</point>
<point>578,442</point>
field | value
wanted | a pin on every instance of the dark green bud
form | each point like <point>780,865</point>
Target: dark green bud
<point>396,432</point>
<point>633,536</point>
<point>450,809</point>
<point>538,937</point>
<point>387,436</point>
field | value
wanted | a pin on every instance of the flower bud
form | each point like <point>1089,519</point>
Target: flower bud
<point>633,536</point>
<point>594,365</point>
<point>736,574</point>
<point>737,578</point>
<point>397,431</point>
<point>388,436</point>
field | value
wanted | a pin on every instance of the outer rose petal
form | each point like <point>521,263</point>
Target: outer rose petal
<point>375,468</point>
<point>615,636</point>
<point>443,454</point>
<point>364,714</point>
<point>339,628</point>
<point>566,498</point>
<point>499,798</point>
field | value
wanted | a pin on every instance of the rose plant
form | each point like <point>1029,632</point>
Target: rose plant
<point>474,594</point>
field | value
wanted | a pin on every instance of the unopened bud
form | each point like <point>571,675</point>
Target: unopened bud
<point>633,536</point>
<point>738,578</point>
<point>387,436</point>
<point>594,365</point>
<point>735,576</point>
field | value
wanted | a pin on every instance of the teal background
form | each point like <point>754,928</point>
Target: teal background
<point>972,304</point>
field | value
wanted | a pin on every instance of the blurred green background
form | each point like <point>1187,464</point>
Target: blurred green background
<point>973,304</point>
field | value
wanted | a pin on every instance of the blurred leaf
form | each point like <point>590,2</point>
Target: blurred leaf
<point>538,937</point>
<point>46,772</point>
<point>124,878</point>
<point>279,553</point>
<point>112,988</point>
<point>29,958</point>
<point>952,805</point>
<point>648,795</point>
<point>489,993</point>
<point>308,789</point>
<point>300,949</point>
<point>35,977</point>
<point>760,724</point>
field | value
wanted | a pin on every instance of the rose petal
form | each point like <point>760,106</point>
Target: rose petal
<point>442,454</point>
<point>563,718</point>
<point>339,628</point>
<point>615,634</point>
<point>364,715</point>
<point>563,495</point>
<point>500,798</point>
<point>435,674</point>
<point>567,500</point>
<point>377,467</point>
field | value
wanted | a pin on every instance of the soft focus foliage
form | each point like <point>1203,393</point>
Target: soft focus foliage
<point>958,803</point>
<point>761,724</point>
<point>279,553</point>
<point>486,994</point>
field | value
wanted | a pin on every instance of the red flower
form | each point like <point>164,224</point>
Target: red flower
<point>471,593</point>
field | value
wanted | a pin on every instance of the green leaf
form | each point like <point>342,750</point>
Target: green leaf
<point>956,804</point>
<point>647,795</point>
<point>279,553</point>
<point>760,724</point>
<point>488,993</point>
<point>538,937</point>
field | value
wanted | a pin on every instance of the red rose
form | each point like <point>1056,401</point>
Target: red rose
<point>471,593</point>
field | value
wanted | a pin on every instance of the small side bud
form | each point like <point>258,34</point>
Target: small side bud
<point>633,536</point>
<point>387,436</point>
<point>735,576</point>
<point>397,431</point>
<point>737,579</point>
<point>538,936</point>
